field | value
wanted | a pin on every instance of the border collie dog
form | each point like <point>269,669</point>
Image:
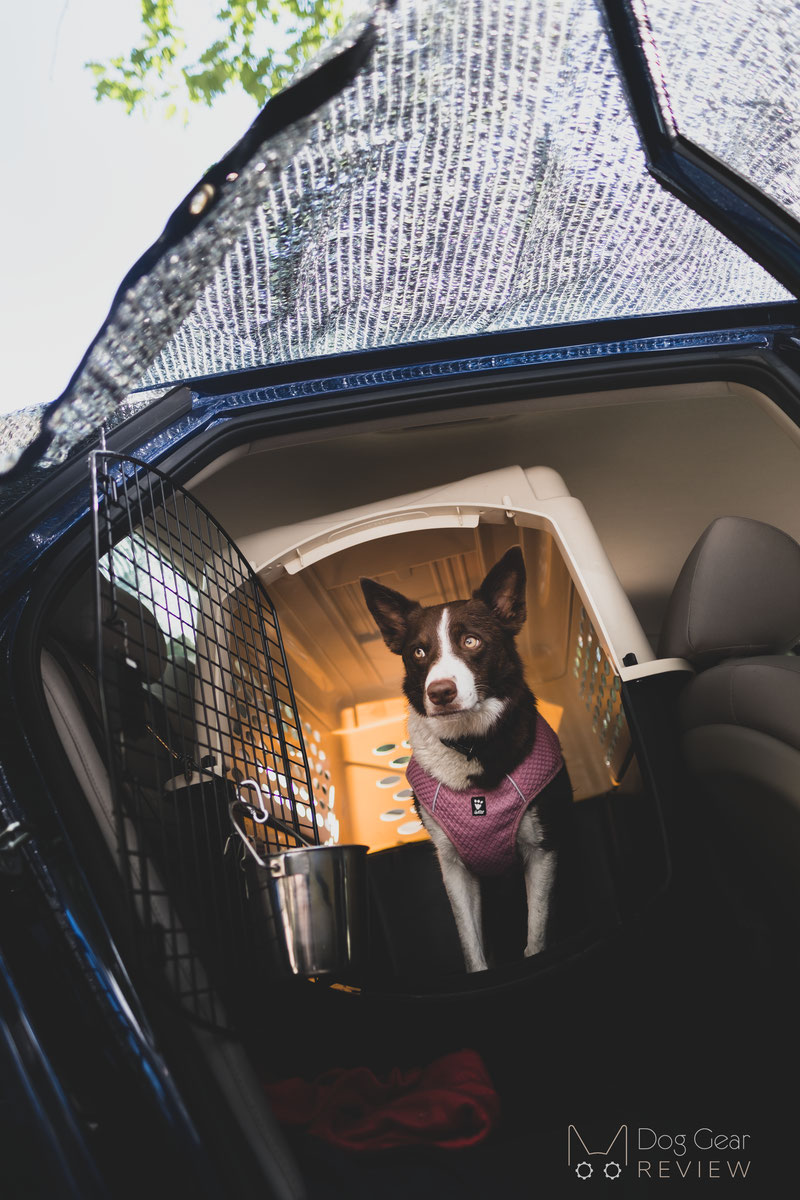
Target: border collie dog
<point>487,774</point>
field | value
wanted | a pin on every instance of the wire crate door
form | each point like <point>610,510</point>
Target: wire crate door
<point>201,723</point>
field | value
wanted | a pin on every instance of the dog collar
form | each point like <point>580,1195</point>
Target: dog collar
<point>462,746</point>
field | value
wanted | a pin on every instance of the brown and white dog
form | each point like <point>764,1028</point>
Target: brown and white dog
<point>487,774</point>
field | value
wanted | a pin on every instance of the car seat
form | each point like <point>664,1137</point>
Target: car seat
<point>734,614</point>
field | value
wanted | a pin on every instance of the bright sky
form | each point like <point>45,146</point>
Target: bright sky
<point>86,188</point>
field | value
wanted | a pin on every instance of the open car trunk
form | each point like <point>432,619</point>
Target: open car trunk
<point>206,694</point>
<point>307,536</point>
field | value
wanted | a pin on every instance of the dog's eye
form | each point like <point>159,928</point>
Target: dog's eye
<point>471,641</point>
<point>419,652</point>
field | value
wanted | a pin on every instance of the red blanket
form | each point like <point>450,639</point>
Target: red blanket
<point>450,1103</point>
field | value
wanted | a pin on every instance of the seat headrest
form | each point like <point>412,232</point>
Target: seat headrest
<point>136,626</point>
<point>737,594</point>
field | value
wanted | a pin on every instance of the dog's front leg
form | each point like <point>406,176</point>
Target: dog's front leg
<point>464,893</point>
<point>539,866</point>
<point>540,874</point>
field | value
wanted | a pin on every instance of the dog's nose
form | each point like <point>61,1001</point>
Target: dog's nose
<point>442,691</point>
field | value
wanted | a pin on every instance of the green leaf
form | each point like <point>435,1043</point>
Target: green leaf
<point>163,72</point>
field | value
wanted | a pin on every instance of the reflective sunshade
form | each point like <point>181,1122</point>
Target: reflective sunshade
<point>483,174</point>
<point>736,94</point>
<point>480,172</point>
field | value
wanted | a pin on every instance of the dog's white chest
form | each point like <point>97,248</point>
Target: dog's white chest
<point>443,762</point>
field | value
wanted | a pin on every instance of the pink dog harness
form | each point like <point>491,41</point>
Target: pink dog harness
<point>483,825</point>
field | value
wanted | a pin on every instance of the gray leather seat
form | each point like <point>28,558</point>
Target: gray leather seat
<point>735,615</point>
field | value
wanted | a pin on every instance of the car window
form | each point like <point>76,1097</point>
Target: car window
<point>170,597</point>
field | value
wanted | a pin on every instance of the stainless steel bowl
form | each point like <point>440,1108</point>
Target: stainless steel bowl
<point>313,899</point>
<point>319,902</point>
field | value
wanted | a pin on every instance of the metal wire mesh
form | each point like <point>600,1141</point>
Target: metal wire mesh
<point>201,723</point>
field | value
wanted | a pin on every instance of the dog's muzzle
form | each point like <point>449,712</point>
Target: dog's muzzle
<point>442,692</point>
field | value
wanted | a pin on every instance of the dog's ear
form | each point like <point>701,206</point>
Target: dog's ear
<point>390,610</point>
<point>503,590</point>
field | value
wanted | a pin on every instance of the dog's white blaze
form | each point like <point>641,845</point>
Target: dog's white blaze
<point>473,718</point>
<point>449,666</point>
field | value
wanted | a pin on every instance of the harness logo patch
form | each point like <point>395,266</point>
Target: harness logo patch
<point>479,806</point>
